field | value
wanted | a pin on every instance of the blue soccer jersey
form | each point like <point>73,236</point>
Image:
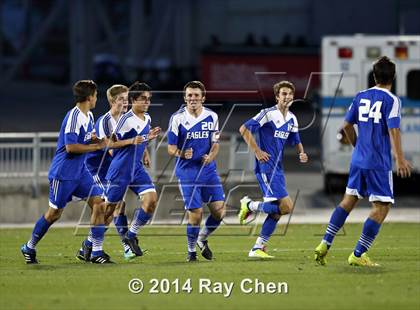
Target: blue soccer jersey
<point>127,161</point>
<point>98,162</point>
<point>273,131</point>
<point>199,133</point>
<point>76,129</point>
<point>375,111</point>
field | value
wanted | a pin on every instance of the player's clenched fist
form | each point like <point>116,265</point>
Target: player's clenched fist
<point>102,143</point>
<point>303,157</point>
<point>137,140</point>
<point>93,136</point>
<point>206,159</point>
<point>188,153</point>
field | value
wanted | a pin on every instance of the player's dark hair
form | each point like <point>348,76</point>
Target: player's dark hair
<point>83,89</point>
<point>195,84</point>
<point>136,90</point>
<point>384,71</point>
<point>281,84</point>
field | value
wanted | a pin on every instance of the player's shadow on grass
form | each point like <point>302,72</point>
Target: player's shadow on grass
<point>44,267</point>
<point>361,270</point>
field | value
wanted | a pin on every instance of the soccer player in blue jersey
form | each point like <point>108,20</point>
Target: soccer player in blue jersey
<point>99,161</point>
<point>126,169</point>
<point>274,128</point>
<point>377,114</point>
<point>69,176</point>
<point>193,136</point>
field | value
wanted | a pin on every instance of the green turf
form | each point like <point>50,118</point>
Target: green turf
<point>61,282</point>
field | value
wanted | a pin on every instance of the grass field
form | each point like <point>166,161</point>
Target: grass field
<point>61,282</point>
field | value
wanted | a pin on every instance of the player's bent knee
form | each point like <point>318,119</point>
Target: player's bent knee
<point>100,208</point>
<point>219,215</point>
<point>108,220</point>
<point>119,208</point>
<point>348,202</point>
<point>286,206</point>
<point>379,211</point>
<point>53,215</point>
<point>149,206</point>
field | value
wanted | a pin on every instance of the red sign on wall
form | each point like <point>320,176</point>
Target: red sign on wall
<point>251,77</point>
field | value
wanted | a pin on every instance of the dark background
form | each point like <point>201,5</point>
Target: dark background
<point>45,46</point>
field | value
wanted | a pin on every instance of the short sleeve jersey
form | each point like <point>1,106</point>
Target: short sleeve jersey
<point>273,132</point>
<point>76,128</point>
<point>375,111</point>
<point>199,133</point>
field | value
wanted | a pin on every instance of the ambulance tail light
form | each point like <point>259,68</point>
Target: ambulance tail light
<point>345,52</point>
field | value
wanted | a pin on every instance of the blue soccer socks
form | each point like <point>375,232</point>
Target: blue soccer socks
<point>267,230</point>
<point>140,219</point>
<point>40,229</point>
<point>98,233</point>
<point>121,223</point>
<point>337,220</point>
<point>192,236</point>
<point>209,227</point>
<point>369,232</point>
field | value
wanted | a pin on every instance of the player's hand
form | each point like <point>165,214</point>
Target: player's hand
<point>146,160</point>
<point>206,159</point>
<point>114,137</point>
<point>153,133</point>
<point>93,137</point>
<point>188,153</point>
<point>262,156</point>
<point>303,157</point>
<point>403,168</point>
<point>102,143</point>
<point>137,140</point>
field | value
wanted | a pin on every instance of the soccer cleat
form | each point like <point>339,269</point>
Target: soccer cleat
<point>83,254</point>
<point>192,257</point>
<point>80,256</point>
<point>101,259</point>
<point>29,255</point>
<point>259,253</point>
<point>244,212</point>
<point>134,246</point>
<point>128,254</point>
<point>363,260</point>
<point>205,250</point>
<point>87,251</point>
<point>321,252</point>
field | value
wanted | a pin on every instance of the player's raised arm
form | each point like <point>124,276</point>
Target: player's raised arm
<point>250,141</point>
<point>214,150</point>
<point>77,148</point>
<point>173,140</point>
<point>174,151</point>
<point>403,166</point>
<point>294,139</point>
<point>126,142</point>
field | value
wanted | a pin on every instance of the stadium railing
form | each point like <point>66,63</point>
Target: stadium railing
<point>25,158</point>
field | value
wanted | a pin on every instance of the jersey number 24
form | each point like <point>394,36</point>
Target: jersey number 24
<point>367,111</point>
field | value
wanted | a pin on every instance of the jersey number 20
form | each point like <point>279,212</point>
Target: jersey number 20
<point>207,126</point>
<point>366,111</point>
